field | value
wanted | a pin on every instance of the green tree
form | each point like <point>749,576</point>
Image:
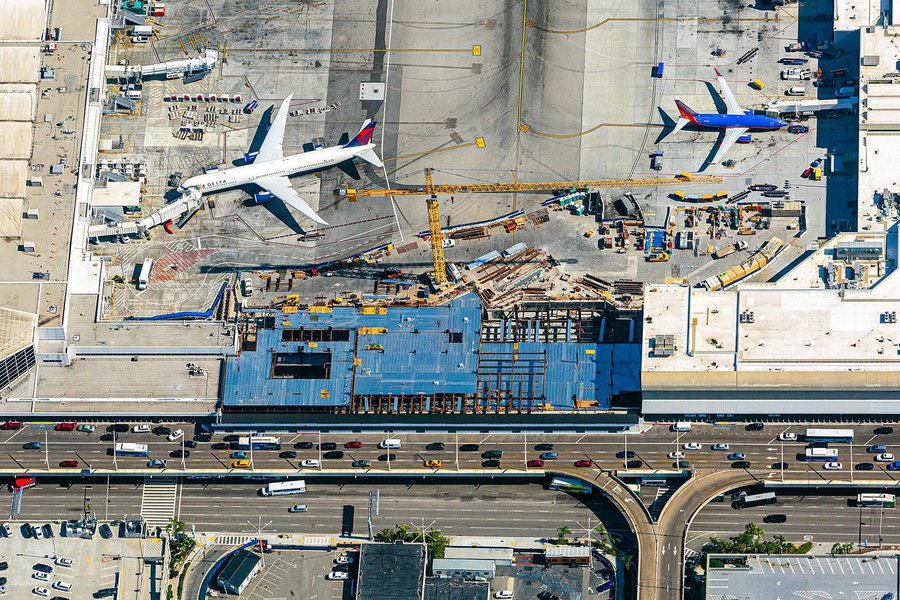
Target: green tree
<point>437,543</point>
<point>561,534</point>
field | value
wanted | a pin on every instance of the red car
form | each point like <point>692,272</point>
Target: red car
<point>65,426</point>
<point>535,463</point>
<point>356,444</point>
<point>584,462</point>
<point>22,482</point>
<point>11,425</point>
<point>69,463</point>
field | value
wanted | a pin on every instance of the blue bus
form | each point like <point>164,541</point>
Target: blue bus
<point>129,449</point>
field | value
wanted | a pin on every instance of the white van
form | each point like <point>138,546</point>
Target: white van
<point>681,426</point>
<point>389,444</point>
<point>796,91</point>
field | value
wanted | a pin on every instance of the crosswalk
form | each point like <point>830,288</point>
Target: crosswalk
<point>158,500</point>
<point>231,540</point>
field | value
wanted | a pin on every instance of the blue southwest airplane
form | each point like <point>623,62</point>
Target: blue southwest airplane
<point>734,122</point>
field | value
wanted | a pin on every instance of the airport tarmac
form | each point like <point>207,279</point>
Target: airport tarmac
<point>552,94</point>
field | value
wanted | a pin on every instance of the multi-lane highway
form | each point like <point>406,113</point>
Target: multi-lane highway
<point>472,509</point>
<point>651,451</point>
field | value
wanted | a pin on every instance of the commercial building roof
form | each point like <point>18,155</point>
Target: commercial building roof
<point>238,568</point>
<point>17,102</point>
<point>15,139</point>
<point>20,64</point>
<point>459,565</point>
<point>391,572</point>
<point>16,329</point>
<point>428,350</point>
<point>10,216</point>
<point>117,193</point>
<point>784,576</point>
<point>13,174</point>
<point>22,19</point>
<point>456,589</point>
<point>498,555</point>
<point>567,551</point>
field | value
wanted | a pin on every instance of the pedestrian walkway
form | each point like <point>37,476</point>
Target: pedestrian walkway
<point>158,500</point>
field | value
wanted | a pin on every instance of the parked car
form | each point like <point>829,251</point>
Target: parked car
<point>303,445</point>
<point>361,464</point>
<point>69,464</point>
<point>63,562</point>
<point>693,446</point>
<point>435,446</point>
<point>47,530</point>
<point>787,436</point>
<point>105,593</point>
<point>537,463</point>
<point>297,508</point>
<point>584,462</point>
<point>884,430</point>
<point>343,559</point>
<point>105,531</point>
<point>156,463</point>
<point>65,426</point>
<point>85,428</point>
<point>175,435</point>
<point>503,594</point>
<point>310,463</point>
<point>720,446</point>
<point>63,586</point>
<point>287,454</point>
<point>833,466</point>
<point>337,576</point>
<point>736,456</point>
<point>7,530</point>
<point>754,427</point>
<point>11,425</point>
<point>353,444</point>
<point>868,467</point>
<point>40,591</point>
<point>41,567</point>
<point>140,429</point>
<point>40,576</point>
<point>161,430</point>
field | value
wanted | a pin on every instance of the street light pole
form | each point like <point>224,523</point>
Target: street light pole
<point>46,450</point>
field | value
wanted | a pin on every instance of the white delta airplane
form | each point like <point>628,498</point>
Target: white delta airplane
<point>270,168</point>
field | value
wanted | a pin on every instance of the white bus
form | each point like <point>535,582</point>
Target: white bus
<point>829,435</point>
<point>756,500</point>
<point>821,454</point>
<point>129,449</point>
<point>144,275</point>
<point>280,488</point>
<point>878,500</point>
<point>258,442</point>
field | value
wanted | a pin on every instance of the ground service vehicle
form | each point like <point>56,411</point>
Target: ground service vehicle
<point>144,274</point>
<point>282,488</point>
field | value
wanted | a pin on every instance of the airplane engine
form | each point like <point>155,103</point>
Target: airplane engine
<point>745,139</point>
<point>261,197</point>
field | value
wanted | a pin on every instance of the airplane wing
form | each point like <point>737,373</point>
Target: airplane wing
<point>730,137</point>
<point>272,147</point>
<point>731,103</point>
<point>281,186</point>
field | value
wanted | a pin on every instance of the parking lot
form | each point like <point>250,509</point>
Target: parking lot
<point>299,574</point>
<point>96,564</point>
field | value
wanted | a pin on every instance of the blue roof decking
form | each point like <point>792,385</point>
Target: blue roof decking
<point>416,356</point>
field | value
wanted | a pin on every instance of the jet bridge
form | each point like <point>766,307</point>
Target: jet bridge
<point>171,68</point>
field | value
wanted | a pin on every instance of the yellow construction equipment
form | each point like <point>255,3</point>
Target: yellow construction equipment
<point>434,216</point>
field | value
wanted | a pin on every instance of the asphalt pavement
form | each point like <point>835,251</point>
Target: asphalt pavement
<point>763,450</point>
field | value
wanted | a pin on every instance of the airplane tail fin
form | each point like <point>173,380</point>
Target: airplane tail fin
<point>687,115</point>
<point>364,136</point>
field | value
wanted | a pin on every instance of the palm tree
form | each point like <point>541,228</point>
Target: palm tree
<point>561,533</point>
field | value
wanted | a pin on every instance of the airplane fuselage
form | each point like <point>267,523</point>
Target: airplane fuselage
<point>296,164</point>
<point>751,121</point>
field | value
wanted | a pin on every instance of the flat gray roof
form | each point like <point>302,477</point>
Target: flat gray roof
<point>782,576</point>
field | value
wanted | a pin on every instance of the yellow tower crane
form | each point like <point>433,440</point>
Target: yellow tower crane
<point>432,191</point>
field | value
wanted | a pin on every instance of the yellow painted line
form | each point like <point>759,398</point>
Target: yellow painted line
<point>340,50</point>
<point>653,19</point>
<point>427,152</point>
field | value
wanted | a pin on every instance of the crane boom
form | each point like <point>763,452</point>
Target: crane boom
<point>437,239</point>
<point>542,186</point>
